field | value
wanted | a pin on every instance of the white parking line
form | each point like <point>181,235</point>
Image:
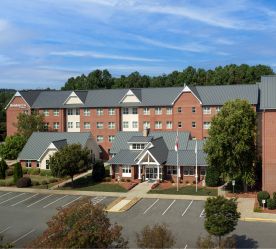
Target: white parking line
<point>5,194</point>
<point>187,208</point>
<point>71,201</point>
<point>23,236</point>
<point>151,206</point>
<point>202,214</point>
<point>23,200</point>
<point>4,230</point>
<point>186,247</point>
<point>12,198</point>
<point>49,204</point>
<point>98,199</point>
<point>39,200</point>
<point>168,207</point>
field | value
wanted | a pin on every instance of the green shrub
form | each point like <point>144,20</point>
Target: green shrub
<point>35,183</point>
<point>52,180</point>
<point>3,169</point>
<point>2,183</point>
<point>9,183</point>
<point>45,172</point>
<point>17,172</point>
<point>212,177</point>
<point>24,170</point>
<point>274,196</point>
<point>98,172</point>
<point>44,182</point>
<point>34,171</point>
<point>24,182</point>
<point>107,179</point>
<point>258,209</point>
<point>107,171</point>
<point>262,195</point>
<point>271,204</point>
<point>9,172</point>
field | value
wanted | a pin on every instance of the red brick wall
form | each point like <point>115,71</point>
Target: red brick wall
<point>269,150</point>
<point>34,164</point>
<point>51,119</point>
<point>13,112</point>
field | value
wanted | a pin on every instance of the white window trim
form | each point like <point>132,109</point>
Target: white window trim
<point>126,168</point>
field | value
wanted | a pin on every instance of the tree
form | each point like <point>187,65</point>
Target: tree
<point>221,216</point>
<point>231,144</point>
<point>3,168</point>
<point>69,160</point>
<point>12,147</point>
<point>212,176</point>
<point>17,172</point>
<point>28,123</point>
<point>157,236</point>
<point>81,225</point>
<point>98,172</point>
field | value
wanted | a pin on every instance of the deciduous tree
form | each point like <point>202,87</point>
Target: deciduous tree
<point>12,146</point>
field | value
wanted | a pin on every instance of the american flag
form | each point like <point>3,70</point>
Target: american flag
<point>176,147</point>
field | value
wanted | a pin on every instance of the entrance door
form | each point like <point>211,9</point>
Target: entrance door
<point>151,173</point>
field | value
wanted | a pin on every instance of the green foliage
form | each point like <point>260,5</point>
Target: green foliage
<point>209,242</point>
<point>157,236</point>
<point>70,160</point>
<point>12,147</point>
<point>81,225</point>
<point>98,172</point>
<point>24,182</point>
<point>274,195</point>
<point>28,123</point>
<point>212,177</point>
<point>221,216</point>
<point>45,172</point>
<point>271,204</point>
<point>231,145</point>
<point>3,168</point>
<point>17,172</point>
<point>33,171</point>
<point>263,195</point>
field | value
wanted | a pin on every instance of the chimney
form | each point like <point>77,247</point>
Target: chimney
<point>146,132</point>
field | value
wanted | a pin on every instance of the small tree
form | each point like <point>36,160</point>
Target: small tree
<point>70,160</point>
<point>81,225</point>
<point>212,176</point>
<point>221,216</point>
<point>12,147</point>
<point>98,172</point>
<point>17,172</point>
<point>157,236</point>
<point>3,168</point>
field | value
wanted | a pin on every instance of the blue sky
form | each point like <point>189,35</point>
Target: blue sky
<point>44,42</point>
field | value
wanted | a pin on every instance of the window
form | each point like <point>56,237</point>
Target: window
<point>134,124</point>
<point>125,124</point>
<point>100,139</point>
<point>26,112</point>
<point>146,125</point>
<point>169,110</point>
<point>126,171</point>
<point>77,124</point>
<point>86,112</point>
<point>37,164</point>
<point>111,111</point>
<point>86,125</point>
<point>169,124</point>
<point>158,125</point>
<point>206,110</point>
<point>193,124</point>
<point>28,164</point>
<point>125,110</point>
<point>56,112</point>
<point>206,125</point>
<point>111,125</point>
<point>179,125</point>
<point>47,164</point>
<point>78,111</point>
<point>202,172</point>
<point>99,125</point>
<point>218,108</point>
<point>46,126</point>
<point>56,125</point>
<point>69,112</point>
<point>111,138</point>
<point>138,146</point>
<point>146,111</point>
<point>70,125</point>
<point>134,110</point>
<point>179,109</point>
<point>188,171</point>
<point>193,109</point>
<point>158,110</point>
<point>46,112</point>
<point>99,111</point>
<point>171,170</point>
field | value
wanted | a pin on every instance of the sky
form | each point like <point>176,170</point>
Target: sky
<point>45,42</point>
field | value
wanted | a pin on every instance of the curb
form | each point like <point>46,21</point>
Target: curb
<point>249,219</point>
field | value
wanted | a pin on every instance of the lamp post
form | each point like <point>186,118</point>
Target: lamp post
<point>233,185</point>
<point>263,202</point>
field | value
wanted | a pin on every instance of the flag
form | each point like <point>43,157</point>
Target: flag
<point>176,147</point>
<point>196,147</point>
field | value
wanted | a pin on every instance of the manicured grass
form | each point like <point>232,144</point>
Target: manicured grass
<point>188,190</point>
<point>87,184</point>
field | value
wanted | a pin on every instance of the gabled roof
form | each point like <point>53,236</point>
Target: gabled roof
<point>30,96</point>
<point>268,92</point>
<point>60,143</point>
<point>125,157</point>
<point>159,150</point>
<point>186,158</point>
<point>140,139</point>
<point>39,142</point>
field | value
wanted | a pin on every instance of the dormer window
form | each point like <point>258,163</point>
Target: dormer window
<point>138,146</point>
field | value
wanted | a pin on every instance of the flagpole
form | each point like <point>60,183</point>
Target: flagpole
<point>177,165</point>
<point>196,164</point>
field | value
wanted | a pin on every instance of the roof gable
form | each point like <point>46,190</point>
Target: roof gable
<point>131,97</point>
<point>188,89</point>
<point>73,99</point>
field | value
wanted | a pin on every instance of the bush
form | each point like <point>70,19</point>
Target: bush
<point>98,172</point>
<point>44,182</point>
<point>34,171</point>
<point>107,179</point>
<point>17,172</point>
<point>262,195</point>
<point>52,180</point>
<point>212,177</point>
<point>107,171</point>
<point>3,169</point>
<point>24,170</point>
<point>2,183</point>
<point>274,196</point>
<point>9,172</point>
<point>271,204</point>
<point>35,183</point>
<point>9,183</point>
<point>24,182</point>
<point>45,172</point>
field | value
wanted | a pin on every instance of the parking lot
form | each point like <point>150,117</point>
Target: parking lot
<point>23,216</point>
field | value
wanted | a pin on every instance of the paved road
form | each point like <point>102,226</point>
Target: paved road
<point>23,216</point>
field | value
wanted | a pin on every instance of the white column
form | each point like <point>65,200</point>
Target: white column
<point>158,168</point>
<point>110,170</point>
<point>139,171</point>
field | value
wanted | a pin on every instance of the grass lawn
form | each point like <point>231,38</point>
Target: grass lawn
<point>188,190</point>
<point>86,183</point>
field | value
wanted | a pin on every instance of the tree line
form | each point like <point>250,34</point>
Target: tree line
<point>221,75</point>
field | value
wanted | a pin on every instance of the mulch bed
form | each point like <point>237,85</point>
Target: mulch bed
<point>126,185</point>
<point>242,195</point>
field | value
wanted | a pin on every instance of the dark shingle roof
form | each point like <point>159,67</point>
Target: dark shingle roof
<point>140,139</point>
<point>51,99</point>
<point>60,143</point>
<point>159,150</point>
<point>30,96</point>
<point>268,92</point>
<point>124,157</point>
<point>186,158</point>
